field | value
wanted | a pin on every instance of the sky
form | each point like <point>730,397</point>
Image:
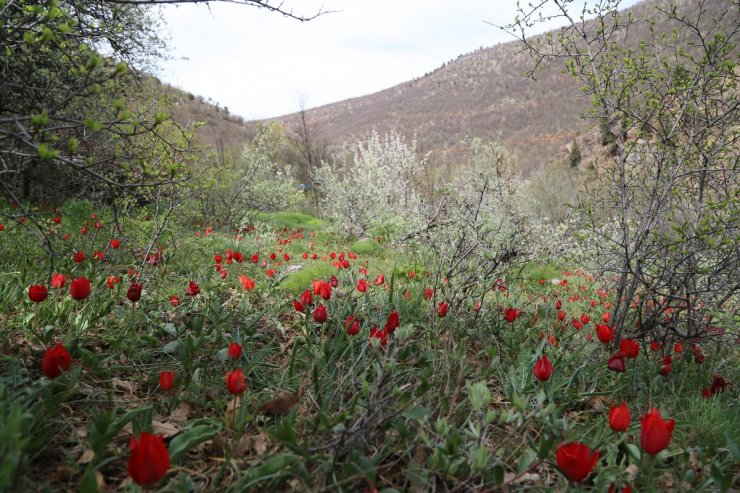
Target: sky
<point>260,64</point>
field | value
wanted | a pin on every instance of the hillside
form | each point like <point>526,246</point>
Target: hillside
<point>223,131</point>
<point>480,94</point>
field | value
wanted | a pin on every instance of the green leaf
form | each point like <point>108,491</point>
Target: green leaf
<point>92,124</point>
<point>195,435</point>
<point>633,451</point>
<point>498,473</point>
<point>415,412</point>
<point>272,466</point>
<point>89,483</point>
<point>527,458</point>
<point>46,152</point>
<point>40,121</point>
<point>171,347</point>
<point>732,446</point>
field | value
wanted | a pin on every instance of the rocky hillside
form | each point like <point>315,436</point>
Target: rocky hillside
<point>480,94</point>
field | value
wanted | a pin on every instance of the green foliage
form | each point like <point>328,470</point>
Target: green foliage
<point>450,400</point>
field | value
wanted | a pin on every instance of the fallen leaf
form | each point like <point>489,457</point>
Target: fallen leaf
<point>260,443</point>
<point>180,415</point>
<point>632,471</point>
<point>282,403</point>
<point>100,480</point>
<point>599,403</point>
<point>164,428</point>
<point>123,384</point>
<point>86,457</point>
<point>529,476</point>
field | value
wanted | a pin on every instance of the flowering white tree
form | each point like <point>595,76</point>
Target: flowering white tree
<point>376,190</point>
<point>479,229</point>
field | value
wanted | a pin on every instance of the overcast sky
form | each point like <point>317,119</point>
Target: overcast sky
<point>260,64</point>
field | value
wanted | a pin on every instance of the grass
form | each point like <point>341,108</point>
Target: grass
<point>290,220</point>
<point>299,281</point>
<point>449,403</point>
<point>366,247</point>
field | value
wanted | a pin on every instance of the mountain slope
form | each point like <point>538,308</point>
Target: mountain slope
<point>481,94</point>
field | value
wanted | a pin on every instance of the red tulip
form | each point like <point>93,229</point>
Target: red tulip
<point>235,382</point>
<point>511,314</point>
<point>625,489</point>
<point>442,309</point>
<point>543,369</point>
<point>324,290</point>
<point>193,289</point>
<point>37,293</point>
<point>629,348</point>
<point>655,432</point>
<point>255,258</point>
<point>149,459</point>
<point>585,319</point>
<point>381,335</point>
<point>619,417</point>
<point>667,365</point>
<point>606,317</point>
<point>247,283</point>
<point>718,384</point>
<point>319,314</point>
<point>428,293</point>
<point>576,460</point>
<point>352,325</point>
<point>174,300</point>
<point>558,305</point>
<point>134,292</point>
<point>604,333</point>
<point>616,363</point>
<point>235,350</point>
<point>111,281</point>
<point>78,257</point>
<point>58,281</point>
<point>115,244</point>
<point>166,380</point>
<point>298,306</point>
<point>379,280</point>
<point>392,323</point>
<point>361,285</point>
<point>307,297</point>
<point>79,288</point>
<point>561,315</point>
<point>56,359</point>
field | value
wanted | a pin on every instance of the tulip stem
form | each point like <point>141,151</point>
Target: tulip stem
<point>650,471</point>
<point>37,317</point>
